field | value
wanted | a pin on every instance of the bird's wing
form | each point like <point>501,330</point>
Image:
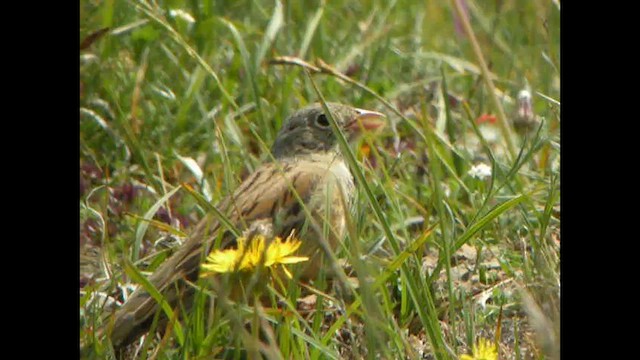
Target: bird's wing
<point>266,194</point>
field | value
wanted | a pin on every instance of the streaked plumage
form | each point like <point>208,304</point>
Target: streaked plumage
<point>309,162</point>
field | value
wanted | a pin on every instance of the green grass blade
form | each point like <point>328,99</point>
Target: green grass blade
<point>275,24</point>
<point>195,169</point>
<point>160,225</point>
<point>142,228</point>
<point>249,68</point>
<point>152,13</point>
<point>389,270</point>
<point>312,26</point>
<point>447,234</point>
<point>485,220</point>
<point>138,278</point>
<point>431,323</point>
<point>209,208</point>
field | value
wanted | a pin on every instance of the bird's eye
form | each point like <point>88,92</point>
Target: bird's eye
<point>322,120</point>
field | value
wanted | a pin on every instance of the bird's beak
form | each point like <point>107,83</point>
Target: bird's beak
<point>366,120</point>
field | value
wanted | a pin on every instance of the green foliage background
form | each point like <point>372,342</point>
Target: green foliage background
<point>177,87</point>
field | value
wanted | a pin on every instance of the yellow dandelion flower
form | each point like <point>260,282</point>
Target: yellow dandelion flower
<point>279,252</point>
<point>482,350</point>
<point>220,261</point>
<point>253,255</point>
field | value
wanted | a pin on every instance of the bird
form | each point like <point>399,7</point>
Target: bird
<point>306,184</point>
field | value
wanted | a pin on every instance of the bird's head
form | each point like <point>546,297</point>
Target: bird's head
<point>308,130</point>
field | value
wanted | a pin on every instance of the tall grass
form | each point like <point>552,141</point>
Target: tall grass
<point>181,99</point>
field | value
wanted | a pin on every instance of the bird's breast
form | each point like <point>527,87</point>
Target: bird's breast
<point>341,172</point>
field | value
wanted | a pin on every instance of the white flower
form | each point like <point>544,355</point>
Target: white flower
<point>480,171</point>
<point>490,133</point>
<point>524,95</point>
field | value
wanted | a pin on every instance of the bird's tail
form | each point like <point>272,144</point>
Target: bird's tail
<point>135,317</point>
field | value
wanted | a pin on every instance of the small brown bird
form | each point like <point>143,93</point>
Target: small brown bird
<point>309,160</point>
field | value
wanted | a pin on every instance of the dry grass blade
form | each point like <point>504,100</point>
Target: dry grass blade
<point>93,37</point>
<point>292,60</point>
<point>142,228</point>
<point>505,127</point>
